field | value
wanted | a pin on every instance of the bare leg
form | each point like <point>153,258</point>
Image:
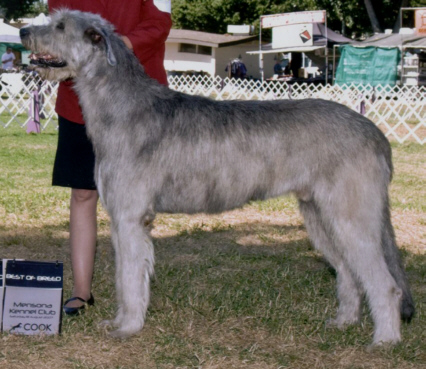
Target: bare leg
<point>83,230</point>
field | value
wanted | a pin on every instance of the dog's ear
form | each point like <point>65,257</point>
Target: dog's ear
<point>96,36</point>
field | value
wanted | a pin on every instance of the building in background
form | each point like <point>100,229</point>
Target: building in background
<point>195,52</point>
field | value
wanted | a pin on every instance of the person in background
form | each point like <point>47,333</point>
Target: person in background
<point>278,69</point>
<point>8,59</point>
<point>144,29</point>
<point>236,69</point>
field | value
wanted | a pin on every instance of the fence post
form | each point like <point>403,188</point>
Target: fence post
<point>361,104</point>
<point>362,107</point>
<point>34,122</point>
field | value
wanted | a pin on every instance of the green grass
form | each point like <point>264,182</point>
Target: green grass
<point>240,290</point>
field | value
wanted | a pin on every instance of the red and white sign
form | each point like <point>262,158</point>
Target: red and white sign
<point>276,20</point>
<point>295,35</point>
<point>421,21</point>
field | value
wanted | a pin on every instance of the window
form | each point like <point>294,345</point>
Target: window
<point>195,49</point>
<point>188,48</point>
<point>204,50</point>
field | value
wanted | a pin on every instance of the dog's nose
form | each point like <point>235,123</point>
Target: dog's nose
<point>23,32</point>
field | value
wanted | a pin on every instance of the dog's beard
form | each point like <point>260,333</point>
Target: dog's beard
<point>53,74</point>
<point>50,67</point>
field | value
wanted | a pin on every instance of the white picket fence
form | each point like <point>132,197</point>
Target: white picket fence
<point>400,111</point>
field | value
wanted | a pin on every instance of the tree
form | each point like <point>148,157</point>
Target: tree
<point>385,14</point>
<point>351,17</point>
<point>215,15</point>
<point>372,15</point>
<point>13,9</point>
<point>37,8</point>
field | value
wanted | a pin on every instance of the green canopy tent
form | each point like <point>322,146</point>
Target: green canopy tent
<point>16,47</point>
<point>368,65</point>
<point>375,61</point>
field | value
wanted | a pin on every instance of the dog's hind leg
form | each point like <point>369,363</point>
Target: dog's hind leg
<point>134,266</point>
<point>348,290</point>
<point>353,206</point>
<point>394,262</point>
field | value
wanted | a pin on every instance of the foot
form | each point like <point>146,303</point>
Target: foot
<point>75,305</point>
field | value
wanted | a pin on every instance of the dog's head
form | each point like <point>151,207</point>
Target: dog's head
<point>71,40</point>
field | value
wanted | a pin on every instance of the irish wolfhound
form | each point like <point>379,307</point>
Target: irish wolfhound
<point>158,150</point>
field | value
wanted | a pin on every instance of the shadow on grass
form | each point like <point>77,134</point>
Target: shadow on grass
<point>208,250</point>
<point>264,301</point>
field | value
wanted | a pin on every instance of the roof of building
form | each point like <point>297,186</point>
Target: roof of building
<point>394,40</point>
<point>207,39</point>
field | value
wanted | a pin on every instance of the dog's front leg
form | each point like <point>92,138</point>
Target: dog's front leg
<point>134,266</point>
<point>115,323</point>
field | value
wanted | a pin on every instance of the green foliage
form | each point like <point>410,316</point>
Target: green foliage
<point>214,15</point>
<point>38,7</point>
<point>13,9</point>
<point>347,16</point>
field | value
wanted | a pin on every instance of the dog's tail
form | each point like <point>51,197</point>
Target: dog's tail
<point>394,262</point>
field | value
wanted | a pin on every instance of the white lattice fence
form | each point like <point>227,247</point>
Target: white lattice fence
<point>18,94</point>
<point>399,111</point>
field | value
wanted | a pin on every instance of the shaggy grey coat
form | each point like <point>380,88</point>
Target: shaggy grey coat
<point>158,150</point>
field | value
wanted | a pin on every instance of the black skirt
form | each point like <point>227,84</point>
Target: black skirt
<point>75,159</point>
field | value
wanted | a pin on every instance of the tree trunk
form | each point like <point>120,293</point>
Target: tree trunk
<point>397,25</point>
<point>372,15</point>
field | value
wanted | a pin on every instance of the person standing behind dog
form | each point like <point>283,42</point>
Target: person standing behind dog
<point>144,29</point>
<point>8,59</point>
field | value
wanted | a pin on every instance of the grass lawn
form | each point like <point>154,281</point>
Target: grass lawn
<point>243,289</point>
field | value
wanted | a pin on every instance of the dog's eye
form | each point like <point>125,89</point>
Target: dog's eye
<point>60,26</point>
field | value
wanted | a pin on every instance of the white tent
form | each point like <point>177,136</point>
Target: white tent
<point>8,33</point>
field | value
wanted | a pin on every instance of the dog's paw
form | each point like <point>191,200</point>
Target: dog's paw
<point>334,323</point>
<point>122,333</point>
<point>107,323</point>
<point>340,323</point>
<point>382,346</point>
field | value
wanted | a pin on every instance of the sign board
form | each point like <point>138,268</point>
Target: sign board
<point>3,263</point>
<point>32,297</point>
<point>240,30</point>
<point>420,21</point>
<point>286,19</point>
<point>292,36</point>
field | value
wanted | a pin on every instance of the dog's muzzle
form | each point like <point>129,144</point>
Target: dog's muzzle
<point>42,60</point>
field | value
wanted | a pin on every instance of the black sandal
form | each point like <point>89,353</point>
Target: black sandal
<point>73,311</point>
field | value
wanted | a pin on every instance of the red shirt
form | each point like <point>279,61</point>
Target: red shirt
<point>141,21</point>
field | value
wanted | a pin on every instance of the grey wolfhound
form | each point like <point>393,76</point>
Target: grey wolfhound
<point>158,150</point>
